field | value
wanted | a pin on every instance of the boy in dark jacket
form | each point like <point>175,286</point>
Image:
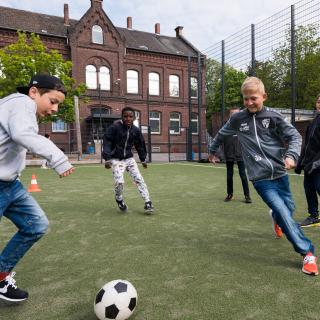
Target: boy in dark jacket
<point>118,142</point>
<point>309,161</point>
<point>232,153</point>
<point>262,133</point>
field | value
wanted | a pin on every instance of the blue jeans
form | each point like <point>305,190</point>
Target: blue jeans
<point>19,206</point>
<point>312,188</point>
<point>277,195</point>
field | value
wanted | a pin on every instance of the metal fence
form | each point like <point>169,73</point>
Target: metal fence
<point>257,44</point>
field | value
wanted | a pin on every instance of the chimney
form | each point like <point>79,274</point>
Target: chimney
<point>66,14</point>
<point>157,28</point>
<point>178,31</point>
<point>96,3</point>
<point>129,22</point>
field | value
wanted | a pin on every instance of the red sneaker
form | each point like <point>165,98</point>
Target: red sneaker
<point>276,229</point>
<point>310,264</point>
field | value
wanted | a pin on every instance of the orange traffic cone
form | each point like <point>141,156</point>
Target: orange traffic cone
<point>33,187</point>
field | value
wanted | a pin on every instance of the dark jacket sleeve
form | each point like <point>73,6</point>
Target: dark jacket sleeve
<point>108,143</point>
<point>300,166</point>
<point>140,146</point>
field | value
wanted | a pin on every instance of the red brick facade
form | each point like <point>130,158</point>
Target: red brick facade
<point>118,56</point>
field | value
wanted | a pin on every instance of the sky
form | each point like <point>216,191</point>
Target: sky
<point>205,22</point>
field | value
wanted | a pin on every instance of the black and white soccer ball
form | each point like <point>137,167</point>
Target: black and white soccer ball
<point>117,300</point>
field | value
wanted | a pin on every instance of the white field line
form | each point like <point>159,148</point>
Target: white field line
<point>181,164</point>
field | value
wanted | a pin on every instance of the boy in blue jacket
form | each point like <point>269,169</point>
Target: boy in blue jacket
<point>19,133</point>
<point>262,132</point>
<point>118,142</point>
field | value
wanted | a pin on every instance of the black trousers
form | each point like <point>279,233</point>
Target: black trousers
<point>242,174</point>
<point>312,188</point>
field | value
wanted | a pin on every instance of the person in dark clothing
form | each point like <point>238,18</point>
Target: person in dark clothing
<point>232,154</point>
<point>309,162</point>
<point>118,142</point>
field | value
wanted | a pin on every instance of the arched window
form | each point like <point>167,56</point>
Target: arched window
<point>194,123</point>
<point>91,76</point>
<point>175,122</point>
<point>194,87</point>
<point>174,86</point>
<point>154,120</point>
<point>154,84</point>
<point>132,81</point>
<point>97,34</point>
<point>104,78</point>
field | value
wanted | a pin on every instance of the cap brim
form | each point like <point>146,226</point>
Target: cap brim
<point>24,90</point>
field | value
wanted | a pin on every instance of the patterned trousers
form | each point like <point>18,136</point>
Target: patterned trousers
<point>130,165</point>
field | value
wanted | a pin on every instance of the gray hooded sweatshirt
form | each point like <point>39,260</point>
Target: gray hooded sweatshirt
<point>266,139</point>
<point>19,133</point>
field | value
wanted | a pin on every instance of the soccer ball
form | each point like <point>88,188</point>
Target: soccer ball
<point>116,300</point>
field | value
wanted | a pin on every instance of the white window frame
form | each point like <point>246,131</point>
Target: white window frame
<point>155,119</point>
<point>175,120</point>
<point>97,34</point>
<point>132,81</point>
<point>194,87</point>
<point>91,77</point>
<point>104,78</point>
<point>59,126</point>
<point>136,121</point>
<point>195,120</point>
<point>174,85</point>
<point>154,84</point>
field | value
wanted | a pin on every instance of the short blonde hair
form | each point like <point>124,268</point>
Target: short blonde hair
<point>253,84</point>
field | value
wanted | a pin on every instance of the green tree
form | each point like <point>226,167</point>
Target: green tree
<point>28,56</point>
<point>276,72</point>
<point>232,78</point>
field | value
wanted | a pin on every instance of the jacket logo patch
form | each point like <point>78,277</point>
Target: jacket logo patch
<point>266,123</point>
<point>257,157</point>
<point>244,127</point>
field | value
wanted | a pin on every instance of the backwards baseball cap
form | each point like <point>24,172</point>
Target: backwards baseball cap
<point>44,81</point>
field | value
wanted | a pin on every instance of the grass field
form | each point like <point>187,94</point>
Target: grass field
<point>197,258</point>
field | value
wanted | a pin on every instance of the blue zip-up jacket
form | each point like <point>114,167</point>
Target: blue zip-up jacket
<point>266,139</point>
<point>119,140</point>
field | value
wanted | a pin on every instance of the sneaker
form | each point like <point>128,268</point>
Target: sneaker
<point>310,222</point>
<point>228,198</point>
<point>9,291</point>
<point>247,199</point>
<point>122,206</point>
<point>310,264</point>
<point>148,207</point>
<point>276,229</point>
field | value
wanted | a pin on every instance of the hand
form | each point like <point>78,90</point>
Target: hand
<point>144,164</point>
<point>67,173</point>
<point>212,158</point>
<point>108,165</point>
<point>289,163</point>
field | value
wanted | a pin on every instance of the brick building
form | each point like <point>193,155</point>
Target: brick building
<point>120,66</point>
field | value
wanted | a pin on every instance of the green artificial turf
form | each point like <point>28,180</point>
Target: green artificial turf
<point>196,258</point>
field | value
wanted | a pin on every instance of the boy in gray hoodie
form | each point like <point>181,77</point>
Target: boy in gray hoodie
<point>262,133</point>
<point>19,133</point>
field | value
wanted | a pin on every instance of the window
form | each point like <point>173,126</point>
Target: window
<point>132,81</point>
<point>174,86</point>
<point>136,121</point>
<point>59,126</point>
<point>194,87</point>
<point>194,123</point>
<point>91,77</point>
<point>175,119</point>
<point>104,78</point>
<point>154,120</point>
<point>97,34</point>
<point>154,84</point>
